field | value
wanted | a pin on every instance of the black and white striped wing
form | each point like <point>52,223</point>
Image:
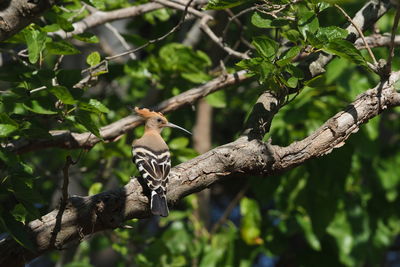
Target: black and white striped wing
<point>154,167</point>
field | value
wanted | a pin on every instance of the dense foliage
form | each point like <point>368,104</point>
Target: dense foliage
<point>340,209</point>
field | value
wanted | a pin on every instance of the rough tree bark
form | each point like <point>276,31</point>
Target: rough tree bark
<point>16,14</point>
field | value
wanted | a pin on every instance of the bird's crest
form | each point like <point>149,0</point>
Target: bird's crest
<point>147,113</point>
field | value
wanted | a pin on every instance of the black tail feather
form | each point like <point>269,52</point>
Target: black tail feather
<point>159,204</point>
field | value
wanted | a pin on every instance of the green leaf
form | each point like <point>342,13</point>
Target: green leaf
<point>340,229</point>
<point>289,56</point>
<point>292,35</point>
<point>259,21</point>
<point>79,263</point>
<point>19,213</point>
<point>294,71</point>
<point>265,69</point>
<point>87,37</point>
<point>51,27</point>
<point>345,49</point>
<point>292,82</point>
<point>217,99</point>
<point>7,129</point>
<point>250,64</point>
<point>85,119</point>
<point>332,32</point>
<point>93,106</point>
<point>10,159</point>
<point>190,64</point>
<point>37,107</point>
<point>179,143</point>
<point>305,224</point>
<point>99,4</point>
<point>324,5</point>
<point>61,48</point>
<point>93,59</point>
<point>251,221</point>
<point>185,154</point>
<point>98,105</point>
<point>35,41</point>
<point>4,118</point>
<point>196,77</point>
<point>63,94</point>
<point>265,46</point>
<point>308,22</point>
<point>223,4</point>
<point>159,14</point>
<point>258,66</point>
<point>325,35</point>
<point>65,24</point>
<point>95,189</point>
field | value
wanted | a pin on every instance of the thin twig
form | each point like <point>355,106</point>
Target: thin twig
<point>218,41</point>
<point>16,57</point>
<point>235,18</point>
<point>37,89</point>
<point>54,81</point>
<point>229,209</point>
<point>174,29</point>
<point>100,17</point>
<point>23,53</point>
<point>64,189</point>
<point>120,39</point>
<point>359,32</point>
<point>63,203</point>
<point>57,65</point>
<point>181,6</point>
<point>392,38</point>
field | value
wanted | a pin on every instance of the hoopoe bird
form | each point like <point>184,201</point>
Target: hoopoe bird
<point>152,158</point>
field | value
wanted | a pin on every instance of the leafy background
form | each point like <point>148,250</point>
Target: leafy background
<point>340,210</point>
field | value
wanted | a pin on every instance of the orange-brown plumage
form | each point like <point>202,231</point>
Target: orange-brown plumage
<point>147,113</point>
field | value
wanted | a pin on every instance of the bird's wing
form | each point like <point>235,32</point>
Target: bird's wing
<point>154,166</point>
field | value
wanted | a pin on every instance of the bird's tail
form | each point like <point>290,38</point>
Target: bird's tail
<point>159,204</point>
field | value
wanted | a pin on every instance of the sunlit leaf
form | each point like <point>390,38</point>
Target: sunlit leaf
<point>35,41</point>
<point>95,189</point>
<point>85,119</point>
<point>251,221</point>
<point>93,59</point>
<point>7,129</point>
<point>265,46</point>
<point>221,4</point>
<point>346,50</point>
<point>63,94</point>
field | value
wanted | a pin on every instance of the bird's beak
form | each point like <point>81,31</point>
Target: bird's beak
<point>177,127</point>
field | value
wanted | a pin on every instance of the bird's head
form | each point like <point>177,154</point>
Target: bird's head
<point>156,120</point>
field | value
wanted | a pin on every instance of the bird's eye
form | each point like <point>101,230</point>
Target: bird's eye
<point>159,120</point>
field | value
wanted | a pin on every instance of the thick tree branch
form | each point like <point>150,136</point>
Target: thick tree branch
<point>337,130</point>
<point>16,14</point>
<point>70,140</point>
<point>87,215</point>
